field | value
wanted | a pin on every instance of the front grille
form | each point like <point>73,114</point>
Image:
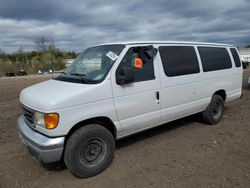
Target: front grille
<point>28,115</point>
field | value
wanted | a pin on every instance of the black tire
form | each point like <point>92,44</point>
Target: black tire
<point>89,151</point>
<point>214,112</point>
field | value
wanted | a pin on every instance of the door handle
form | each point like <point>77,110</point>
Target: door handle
<point>157,96</point>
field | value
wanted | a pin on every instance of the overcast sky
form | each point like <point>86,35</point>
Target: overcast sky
<point>77,24</point>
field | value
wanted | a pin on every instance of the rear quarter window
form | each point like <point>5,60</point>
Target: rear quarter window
<point>214,58</point>
<point>236,57</point>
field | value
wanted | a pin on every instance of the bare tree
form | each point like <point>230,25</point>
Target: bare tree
<point>44,44</point>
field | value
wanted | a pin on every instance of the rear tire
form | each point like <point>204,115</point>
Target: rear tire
<point>89,151</point>
<point>214,112</point>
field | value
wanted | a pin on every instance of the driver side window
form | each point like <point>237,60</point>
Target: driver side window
<point>146,72</point>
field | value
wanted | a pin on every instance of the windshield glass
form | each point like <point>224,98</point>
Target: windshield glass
<point>92,65</point>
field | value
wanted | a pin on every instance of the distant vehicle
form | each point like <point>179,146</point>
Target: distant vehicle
<point>10,74</point>
<point>45,72</point>
<point>115,90</point>
<point>21,72</point>
<point>58,71</point>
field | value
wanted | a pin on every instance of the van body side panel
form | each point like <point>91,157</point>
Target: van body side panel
<point>177,94</point>
<point>218,80</point>
<point>178,97</point>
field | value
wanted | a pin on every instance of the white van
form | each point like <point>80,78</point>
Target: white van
<point>114,90</point>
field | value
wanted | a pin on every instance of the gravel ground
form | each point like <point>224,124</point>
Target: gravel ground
<point>183,153</point>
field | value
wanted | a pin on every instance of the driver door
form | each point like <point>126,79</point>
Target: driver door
<point>137,104</point>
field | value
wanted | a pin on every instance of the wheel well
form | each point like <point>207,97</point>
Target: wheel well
<point>221,93</point>
<point>103,121</point>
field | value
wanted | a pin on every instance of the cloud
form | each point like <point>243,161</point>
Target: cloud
<point>76,24</point>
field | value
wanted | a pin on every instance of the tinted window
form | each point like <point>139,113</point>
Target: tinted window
<point>214,58</point>
<point>179,60</point>
<point>236,57</point>
<point>145,73</point>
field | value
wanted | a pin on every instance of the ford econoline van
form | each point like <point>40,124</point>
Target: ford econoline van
<point>114,90</point>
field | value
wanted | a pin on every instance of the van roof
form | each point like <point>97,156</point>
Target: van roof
<point>167,42</point>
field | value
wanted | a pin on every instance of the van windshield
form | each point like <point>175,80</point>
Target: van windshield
<point>92,65</point>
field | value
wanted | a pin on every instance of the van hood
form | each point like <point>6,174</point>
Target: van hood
<point>53,94</point>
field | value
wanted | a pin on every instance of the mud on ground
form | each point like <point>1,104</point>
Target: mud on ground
<point>183,153</point>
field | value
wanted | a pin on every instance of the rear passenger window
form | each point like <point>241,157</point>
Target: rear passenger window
<point>236,57</point>
<point>179,60</point>
<point>214,58</point>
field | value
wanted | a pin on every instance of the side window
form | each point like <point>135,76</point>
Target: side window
<point>146,72</point>
<point>236,57</point>
<point>214,58</point>
<point>179,60</point>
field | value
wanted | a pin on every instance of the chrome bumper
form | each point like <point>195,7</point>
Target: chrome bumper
<point>40,147</point>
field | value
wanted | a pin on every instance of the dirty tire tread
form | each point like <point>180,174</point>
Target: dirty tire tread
<point>73,141</point>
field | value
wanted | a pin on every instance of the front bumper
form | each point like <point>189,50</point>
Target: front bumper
<point>40,147</point>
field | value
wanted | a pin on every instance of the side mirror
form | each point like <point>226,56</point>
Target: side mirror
<point>125,76</point>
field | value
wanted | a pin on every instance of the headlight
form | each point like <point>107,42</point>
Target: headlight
<point>39,119</point>
<point>46,120</point>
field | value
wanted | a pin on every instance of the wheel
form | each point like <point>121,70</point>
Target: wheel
<point>214,112</point>
<point>89,150</point>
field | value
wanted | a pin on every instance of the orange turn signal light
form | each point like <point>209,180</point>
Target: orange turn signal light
<point>51,120</point>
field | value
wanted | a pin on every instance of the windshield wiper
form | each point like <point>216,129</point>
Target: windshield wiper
<point>82,76</point>
<point>77,74</point>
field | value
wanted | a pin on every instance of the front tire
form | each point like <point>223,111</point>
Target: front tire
<point>214,112</point>
<point>89,151</point>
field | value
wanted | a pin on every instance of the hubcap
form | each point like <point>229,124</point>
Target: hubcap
<point>93,152</point>
<point>217,110</point>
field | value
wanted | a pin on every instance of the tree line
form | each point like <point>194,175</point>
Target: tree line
<point>45,57</point>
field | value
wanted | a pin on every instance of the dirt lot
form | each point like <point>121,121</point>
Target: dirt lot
<point>184,153</point>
